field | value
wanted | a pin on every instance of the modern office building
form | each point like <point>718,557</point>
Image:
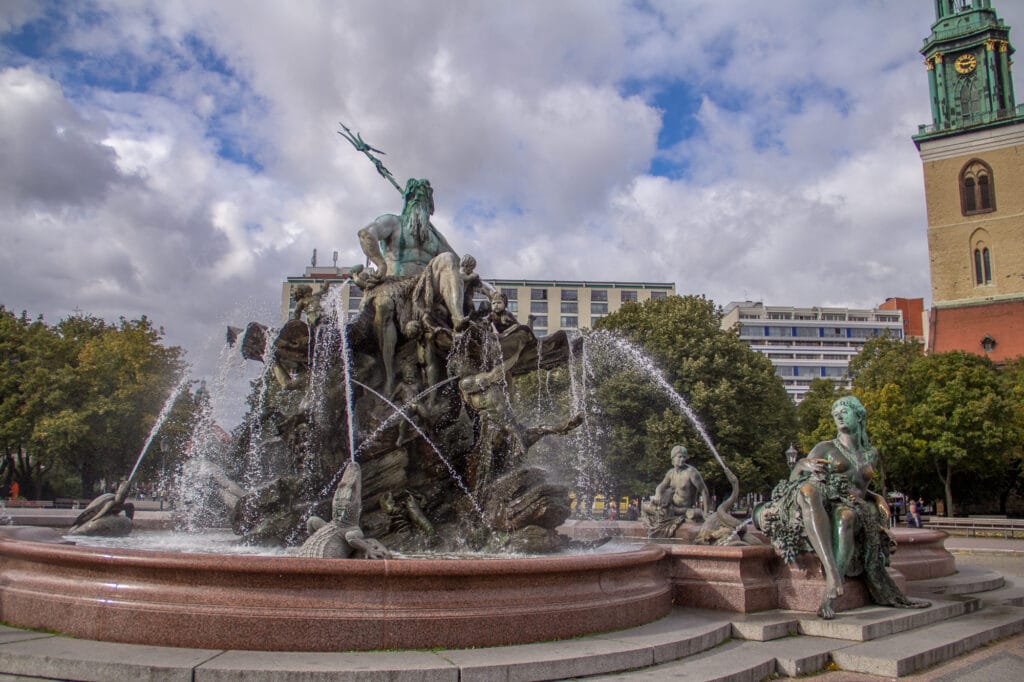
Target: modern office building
<point>972,156</point>
<point>806,343</point>
<point>551,305</point>
<point>318,277</point>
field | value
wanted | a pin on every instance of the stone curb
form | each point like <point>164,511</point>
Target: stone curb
<point>683,633</point>
<point>980,551</point>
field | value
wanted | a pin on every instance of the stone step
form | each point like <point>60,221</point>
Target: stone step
<point>907,652</point>
<point>871,622</point>
<point>862,624</point>
<point>742,661</point>
<point>679,635</point>
<point>967,580</point>
<point>27,653</point>
<point>1010,594</point>
<point>688,644</point>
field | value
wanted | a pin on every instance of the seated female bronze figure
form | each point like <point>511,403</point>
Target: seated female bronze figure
<point>826,507</point>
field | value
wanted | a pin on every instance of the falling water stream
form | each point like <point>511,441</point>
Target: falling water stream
<point>642,362</point>
<point>400,413</point>
<point>448,465</point>
<point>165,411</point>
<point>337,302</point>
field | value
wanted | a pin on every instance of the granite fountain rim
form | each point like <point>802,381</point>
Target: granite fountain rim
<point>99,557</point>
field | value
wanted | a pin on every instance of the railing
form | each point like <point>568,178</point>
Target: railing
<point>71,503</point>
<point>964,29</point>
<point>972,120</point>
<point>976,525</point>
<point>31,504</point>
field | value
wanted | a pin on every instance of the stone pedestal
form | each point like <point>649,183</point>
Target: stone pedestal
<point>800,585</point>
<point>921,554</point>
<point>727,578</point>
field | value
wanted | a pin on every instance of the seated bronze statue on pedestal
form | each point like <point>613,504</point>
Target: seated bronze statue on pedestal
<point>826,507</point>
<point>681,496</point>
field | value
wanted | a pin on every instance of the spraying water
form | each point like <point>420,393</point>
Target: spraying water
<point>337,302</point>
<point>451,469</point>
<point>165,411</point>
<point>400,412</point>
<point>642,362</point>
<point>191,478</point>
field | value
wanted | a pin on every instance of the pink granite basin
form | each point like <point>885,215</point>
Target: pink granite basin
<point>299,604</point>
<point>921,554</point>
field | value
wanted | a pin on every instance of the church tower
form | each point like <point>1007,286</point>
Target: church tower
<point>973,159</point>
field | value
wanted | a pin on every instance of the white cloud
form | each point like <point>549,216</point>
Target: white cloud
<point>191,200</point>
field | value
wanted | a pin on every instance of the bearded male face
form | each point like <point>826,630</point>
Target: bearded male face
<point>419,206</point>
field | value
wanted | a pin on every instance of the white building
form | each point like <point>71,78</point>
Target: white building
<point>549,305</point>
<point>808,343</point>
<point>560,304</point>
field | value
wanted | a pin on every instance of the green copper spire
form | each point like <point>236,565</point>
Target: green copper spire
<point>968,61</point>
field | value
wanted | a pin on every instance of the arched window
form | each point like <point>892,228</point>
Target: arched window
<point>970,99</point>
<point>981,257</point>
<point>977,189</point>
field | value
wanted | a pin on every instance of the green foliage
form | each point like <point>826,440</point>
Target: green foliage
<point>942,422</point>
<point>814,413</point>
<point>732,389</point>
<point>78,399</point>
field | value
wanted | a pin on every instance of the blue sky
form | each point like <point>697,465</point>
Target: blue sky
<point>179,159</point>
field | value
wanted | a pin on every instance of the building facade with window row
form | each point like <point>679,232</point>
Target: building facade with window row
<point>318,278</point>
<point>550,305</point>
<point>804,344</point>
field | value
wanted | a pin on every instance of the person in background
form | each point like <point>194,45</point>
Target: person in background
<point>913,516</point>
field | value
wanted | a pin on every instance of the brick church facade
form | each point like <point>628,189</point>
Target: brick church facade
<point>973,161</point>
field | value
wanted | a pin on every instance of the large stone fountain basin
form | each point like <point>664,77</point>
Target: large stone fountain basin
<point>300,604</point>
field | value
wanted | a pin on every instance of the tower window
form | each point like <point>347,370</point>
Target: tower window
<point>977,190</point>
<point>970,99</point>
<point>982,265</point>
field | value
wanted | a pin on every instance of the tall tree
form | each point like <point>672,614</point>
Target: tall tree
<point>27,351</point>
<point>733,390</point>
<point>963,416</point>
<point>944,423</point>
<point>885,381</point>
<point>884,360</point>
<point>100,405</point>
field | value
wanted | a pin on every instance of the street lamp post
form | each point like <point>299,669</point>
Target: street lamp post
<point>791,455</point>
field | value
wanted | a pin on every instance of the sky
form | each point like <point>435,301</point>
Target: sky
<point>179,159</point>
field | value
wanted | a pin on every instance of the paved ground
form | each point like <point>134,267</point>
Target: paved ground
<point>997,662</point>
<point>968,545</point>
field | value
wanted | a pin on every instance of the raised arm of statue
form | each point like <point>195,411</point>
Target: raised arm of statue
<point>665,486</point>
<point>370,238</point>
<point>492,293</point>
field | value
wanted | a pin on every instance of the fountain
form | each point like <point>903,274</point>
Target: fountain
<point>372,438</point>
